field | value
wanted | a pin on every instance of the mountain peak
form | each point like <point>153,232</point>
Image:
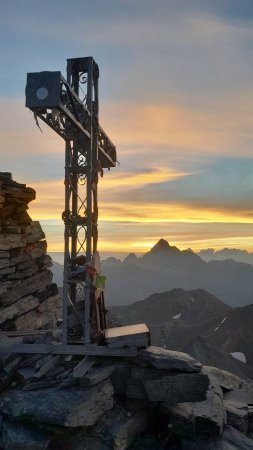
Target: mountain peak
<point>131,259</point>
<point>162,245</point>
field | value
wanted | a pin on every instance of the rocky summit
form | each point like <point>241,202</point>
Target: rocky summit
<point>28,298</point>
<point>159,400</point>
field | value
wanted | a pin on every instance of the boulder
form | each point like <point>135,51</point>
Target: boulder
<point>243,394</point>
<point>17,437</point>
<point>68,408</point>
<point>226,380</point>
<point>210,415</point>
<point>119,427</point>
<point>181,418</point>
<point>45,316</point>
<point>79,440</point>
<point>237,415</point>
<point>168,360</point>
<point>16,309</point>
<point>96,376</point>
<point>20,288</point>
<point>231,439</point>
<point>177,388</point>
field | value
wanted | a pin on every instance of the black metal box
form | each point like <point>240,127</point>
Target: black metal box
<point>43,90</point>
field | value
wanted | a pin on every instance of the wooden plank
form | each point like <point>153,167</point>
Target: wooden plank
<point>62,349</point>
<point>128,330</point>
<point>129,336</point>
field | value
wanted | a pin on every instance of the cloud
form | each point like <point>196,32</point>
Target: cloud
<point>175,97</point>
<point>220,190</point>
<point>220,130</point>
<point>120,180</point>
<point>26,152</point>
<point>164,196</point>
<point>139,237</point>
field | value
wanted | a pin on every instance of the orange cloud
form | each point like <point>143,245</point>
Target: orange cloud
<point>221,128</point>
<point>167,212</point>
<point>50,205</point>
<point>19,133</point>
<point>119,179</point>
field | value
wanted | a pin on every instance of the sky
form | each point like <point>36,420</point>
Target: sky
<point>176,97</point>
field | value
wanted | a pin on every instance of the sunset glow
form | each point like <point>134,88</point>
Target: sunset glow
<point>176,99</point>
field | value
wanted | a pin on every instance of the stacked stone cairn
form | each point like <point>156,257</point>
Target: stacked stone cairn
<point>28,298</point>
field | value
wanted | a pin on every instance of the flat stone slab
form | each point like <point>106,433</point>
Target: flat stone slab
<point>66,407</point>
<point>18,308</point>
<point>119,427</point>
<point>226,380</point>
<point>177,388</point>
<point>237,416</point>
<point>169,360</point>
<point>210,415</point>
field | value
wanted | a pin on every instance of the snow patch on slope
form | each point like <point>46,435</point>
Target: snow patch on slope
<point>177,316</point>
<point>240,356</point>
<point>223,320</point>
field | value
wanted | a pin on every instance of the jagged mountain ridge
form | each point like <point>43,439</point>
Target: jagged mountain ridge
<point>175,317</point>
<point>195,322</point>
<point>195,307</point>
<point>237,254</point>
<point>165,267</point>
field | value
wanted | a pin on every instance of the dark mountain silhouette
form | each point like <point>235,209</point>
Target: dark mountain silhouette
<point>192,308</point>
<point>165,267</point>
<point>214,356</point>
<point>175,317</point>
<point>235,334</point>
<point>194,322</point>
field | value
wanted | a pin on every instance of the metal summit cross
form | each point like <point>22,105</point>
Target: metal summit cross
<point>70,107</point>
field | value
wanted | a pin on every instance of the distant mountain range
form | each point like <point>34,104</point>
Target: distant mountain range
<point>165,267</point>
<point>239,255</point>
<point>198,323</point>
<point>188,303</point>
